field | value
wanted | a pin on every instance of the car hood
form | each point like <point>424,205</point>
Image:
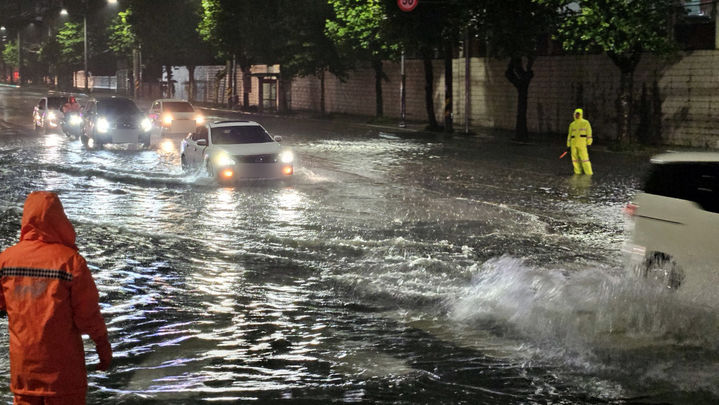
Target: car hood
<point>249,148</point>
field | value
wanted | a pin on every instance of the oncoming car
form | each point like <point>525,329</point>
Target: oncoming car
<point>675,240</point>
<point>171,116</point>
<point>114,120</point>
<point>231,150</point>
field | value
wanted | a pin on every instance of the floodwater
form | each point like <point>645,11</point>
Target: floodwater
<point>393,267</point>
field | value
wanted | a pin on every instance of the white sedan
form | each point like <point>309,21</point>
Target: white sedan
<point>231,150</point>
<point>171,116</point>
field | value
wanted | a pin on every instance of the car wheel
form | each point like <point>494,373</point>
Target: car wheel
<point>662,268</point>
<point>183,163</point>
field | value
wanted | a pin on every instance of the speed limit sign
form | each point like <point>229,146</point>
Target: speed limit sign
<point>407,5</point>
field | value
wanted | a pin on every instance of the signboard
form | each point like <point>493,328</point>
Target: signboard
<point>407,5</point>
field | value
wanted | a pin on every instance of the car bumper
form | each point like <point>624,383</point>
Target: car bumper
<point>256,171</point>
<point>123,136</point>
<point>180,127</point>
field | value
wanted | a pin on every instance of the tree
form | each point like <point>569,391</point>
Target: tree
<point>430,27</point>
<point>71,41</point>
<point>517,42</point>
<point>624,29</point>
<point>121,37</point>
<point>360,34</point>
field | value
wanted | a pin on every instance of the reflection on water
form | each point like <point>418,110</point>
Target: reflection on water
<point>388,270</point>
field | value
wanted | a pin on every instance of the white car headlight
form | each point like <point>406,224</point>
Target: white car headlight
<point>75,119</point>
<point>223,159</point>
<point>287,157</point>
<point>51,115</point>
<point>167,119</point>
<point>102,125</point>
<point>146,124</point>
<point>199,120</point>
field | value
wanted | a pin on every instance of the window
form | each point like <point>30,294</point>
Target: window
<point>177,106</point>
<point>240,134</point>
<point>692,181</point>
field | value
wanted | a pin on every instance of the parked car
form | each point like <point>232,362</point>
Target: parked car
<point>114,120</point>
<point>171,116</point>
<point>47,113</point>
<point>675,239</point>
<point>231,150</point>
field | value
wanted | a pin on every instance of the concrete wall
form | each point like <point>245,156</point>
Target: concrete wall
<point>687,87</point>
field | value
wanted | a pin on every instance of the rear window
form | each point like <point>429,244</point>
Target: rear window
<point>240,134</point>
<point>117,106</point>
<point>693,181</point>
<point>177,106</point>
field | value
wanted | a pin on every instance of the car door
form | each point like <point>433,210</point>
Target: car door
<point>194,148</point>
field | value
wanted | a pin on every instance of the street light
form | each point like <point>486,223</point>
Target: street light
<point>84,35</point>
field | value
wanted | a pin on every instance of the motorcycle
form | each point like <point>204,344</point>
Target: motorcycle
<point>72,124</point>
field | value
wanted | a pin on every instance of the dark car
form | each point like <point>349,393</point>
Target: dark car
<point>115,120</point>
<point>47,113</point>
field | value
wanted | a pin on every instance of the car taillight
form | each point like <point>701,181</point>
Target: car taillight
<point>287,170</point>
<point>228,173</point>
<point>630,209</point>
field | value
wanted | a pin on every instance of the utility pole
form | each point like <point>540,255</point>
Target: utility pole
<point>467,82</point>
<point>402,94</point>
<point>84,30</point>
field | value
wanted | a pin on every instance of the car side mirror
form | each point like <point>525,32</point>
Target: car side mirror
<point>278,138</point>
<point>202,142</point>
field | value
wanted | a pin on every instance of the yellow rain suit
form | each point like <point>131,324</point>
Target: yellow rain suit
<point>579,137</point>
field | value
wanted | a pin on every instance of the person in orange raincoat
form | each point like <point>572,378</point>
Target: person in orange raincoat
<point>50,299</point>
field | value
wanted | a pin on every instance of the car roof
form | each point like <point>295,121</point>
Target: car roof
<point>235,123</point>
<point>685,157</point>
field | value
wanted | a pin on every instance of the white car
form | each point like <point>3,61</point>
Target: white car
<point>231,150</point>
<point>171,116</point>
<point>676,224</point>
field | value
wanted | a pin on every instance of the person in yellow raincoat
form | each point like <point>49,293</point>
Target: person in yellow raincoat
<point>579,137</point>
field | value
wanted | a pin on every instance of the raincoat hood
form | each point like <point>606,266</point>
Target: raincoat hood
<point>44,219</point>
<point>581,114</point>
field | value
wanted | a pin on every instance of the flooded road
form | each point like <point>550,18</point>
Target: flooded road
<point>394,267</point>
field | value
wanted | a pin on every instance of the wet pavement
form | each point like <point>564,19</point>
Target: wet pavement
<point>393,267</point>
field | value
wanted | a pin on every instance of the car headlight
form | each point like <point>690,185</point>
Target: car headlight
<point>167,119</point>
<point>102,125</point>
<point>287,157</point>
<point>75,119</point>
<point>146,124</point>
<point>199,120</point>
<point>51,115</point>
<point>223,159</point>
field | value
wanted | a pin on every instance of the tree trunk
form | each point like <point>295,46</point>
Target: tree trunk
<point>191,87</point>
<point>627,64</point>
<point>322,92</point>
<point>448,92</point>
<point>284,93</point>
<point>378,75</point>
<point>170,90</point>
<point>429,89</point>
<point>520,77</point>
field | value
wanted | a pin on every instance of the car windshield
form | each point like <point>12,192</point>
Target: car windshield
<point>56,102</point>
<point>240,134</point>
<point>177,106</point>
<point>117,106</point>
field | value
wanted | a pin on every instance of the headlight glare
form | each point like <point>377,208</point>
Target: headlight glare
<point>102,125</point>
<point>199,120</point>
<point>75,119</point>
<point>167,119</point>
<point>224,159</point>
<point>51,115</point>
<point>287,157</point>
<point>146,124</point>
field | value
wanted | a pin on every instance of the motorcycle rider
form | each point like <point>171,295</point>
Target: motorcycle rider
<point>71,106</point>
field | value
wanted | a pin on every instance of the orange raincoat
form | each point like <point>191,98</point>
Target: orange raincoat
<point>50,299</point>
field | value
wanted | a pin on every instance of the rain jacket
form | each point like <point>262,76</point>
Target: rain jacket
<point>578,138</point>
<point>50,299</point>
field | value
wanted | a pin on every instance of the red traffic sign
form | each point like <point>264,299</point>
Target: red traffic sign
<point>407,5</point>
